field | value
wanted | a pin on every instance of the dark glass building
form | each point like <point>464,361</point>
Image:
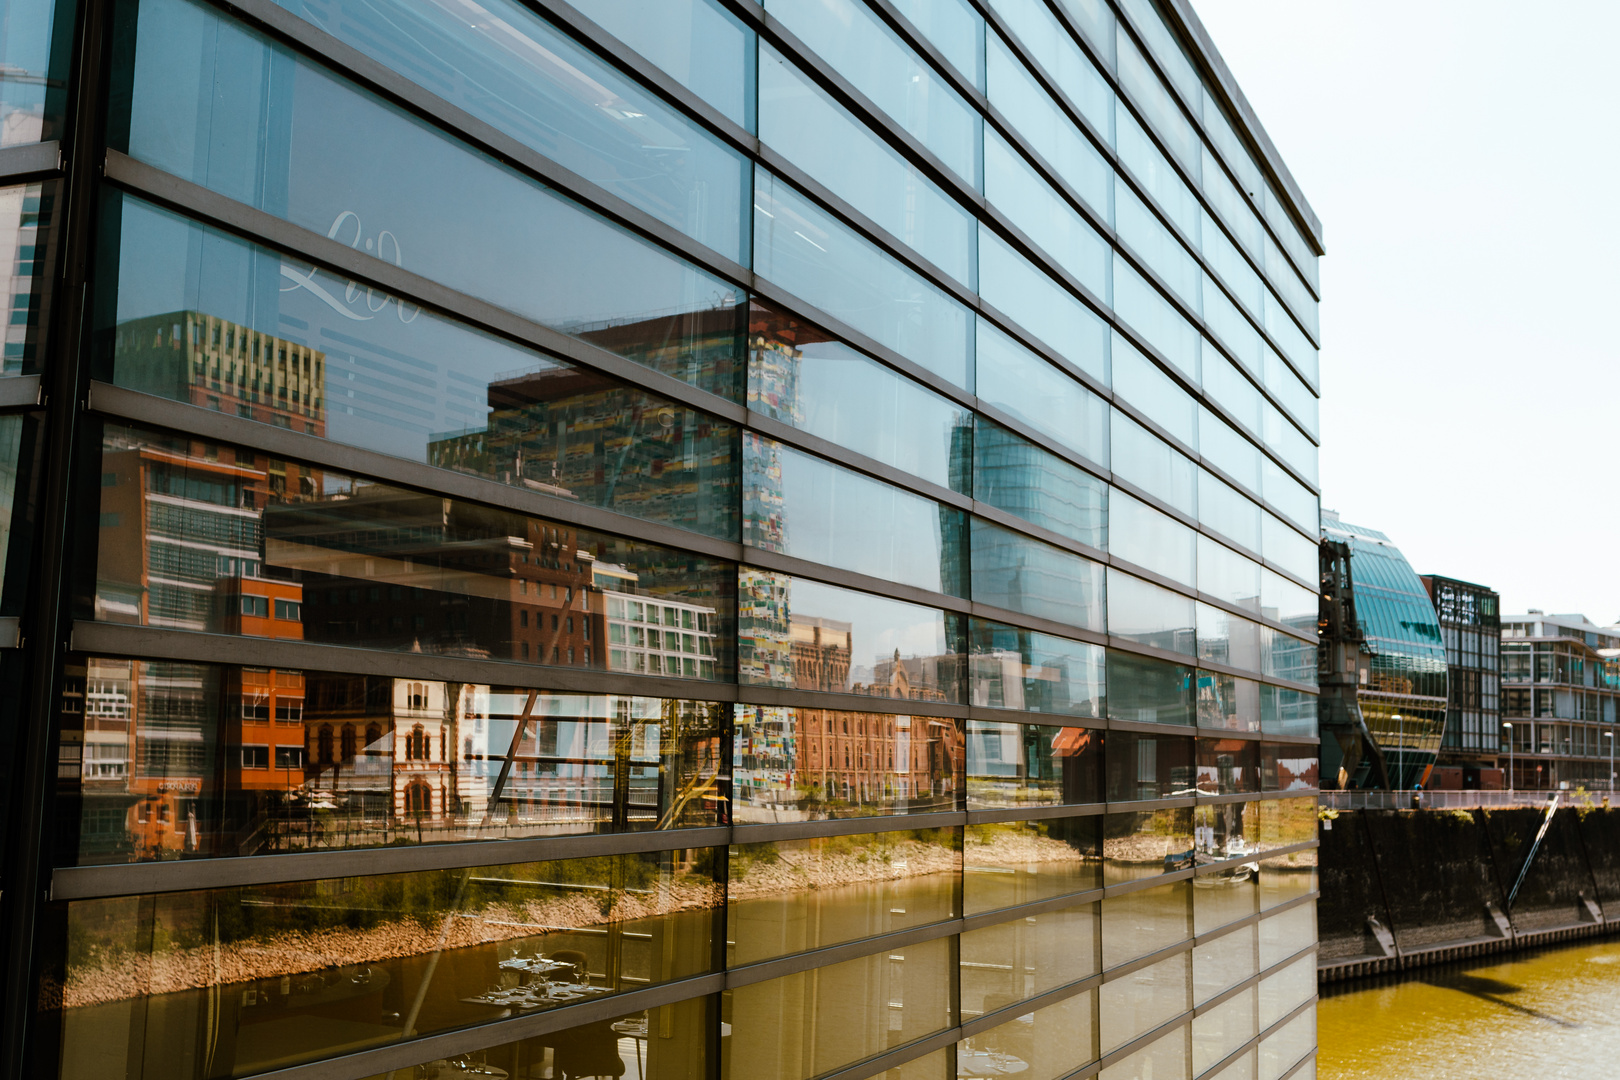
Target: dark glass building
<point>1401,683</point>
<point>1470,623</point>
<point>658,538</point>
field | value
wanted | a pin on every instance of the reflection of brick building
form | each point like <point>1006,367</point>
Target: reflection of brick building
<point>821,653</point>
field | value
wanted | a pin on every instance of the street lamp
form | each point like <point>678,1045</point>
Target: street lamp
<point>1610,736</point>
<point>1510,753</point>
<point>1400,770</point>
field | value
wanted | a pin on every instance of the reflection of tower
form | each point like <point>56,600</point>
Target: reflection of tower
<point>654,634</point>
<point>27,253</point>
<point>225,366</point>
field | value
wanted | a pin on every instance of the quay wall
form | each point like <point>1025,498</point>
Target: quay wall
<point>1405,888</point>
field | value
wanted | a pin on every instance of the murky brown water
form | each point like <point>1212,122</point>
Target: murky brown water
<point>1548,1015</point>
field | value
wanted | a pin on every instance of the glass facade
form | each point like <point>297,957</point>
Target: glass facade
<point>1401,684</point>
<point>1470,622</point>
<point>1560,703</point>
<point>652,537</point>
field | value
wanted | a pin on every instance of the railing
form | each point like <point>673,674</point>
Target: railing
<point>1448,800</point>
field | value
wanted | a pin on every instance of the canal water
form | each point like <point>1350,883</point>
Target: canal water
<point>1547,1015</point>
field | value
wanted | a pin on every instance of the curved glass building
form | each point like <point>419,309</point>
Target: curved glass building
<point>1402,692</point>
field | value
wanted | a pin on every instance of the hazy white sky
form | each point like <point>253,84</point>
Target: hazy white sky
<point>1463,159</point>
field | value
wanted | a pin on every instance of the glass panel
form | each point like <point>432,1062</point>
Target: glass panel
<point>1223,509</point>
<point>1041,1045</point>
<point>815,1021</point>
<point>1016,960</point>
<point>1287,550</point>
<point>1147,461</point>
<point>1223,1029</point>
<point>274,975</point>
<point>521,75</point>
<point>1025,294</point>
<point>200,109</point>
<point>1230,388</point>
<point>34,55</point>
<point>1013,474</point>
<point>1225,831</point>
<point>1164,1058</point>
<point>1046,39</point>
<point>1158,248</point>
<point>199,536</point>
<point>1145,386</point>
<point>1288,603</point>
<point>200,760</point>
<point>1151,540</point>
<point>788,896</point>
<point>801,375</point>
<point>1048,130</point>
<point>1147,691</point>
<point>1137,1003</point>
<point>1012,186</point>
<point>16,433</point>
<point>1287,821</point>
<point>1287,657</point>
<point>1021,574</point>
<point>1286,933</point>
<point>1012,765</point>
<point>954,28</point>
<point>798,119</point>
<point>27,237</point>
<point>1226,575</point>
<point>802,634</point>
<point>1288,442</point>
<point>1145,613</point>
<point>1223,962</point>
<point>192,325</point>
<point>871,56</point>
<point>1228,766</point>
<point>1158,106</point>
<point>1288,495</point>
<point>697,42</point>
<point>796,764</point>
<point>1145,921</point>
<point>1229,326</point>
<point>1146,311</point>
<point>1283,990</point>
<point>1287,712</point>
<point>1281,1049</point>
<point>1020,862</point>
<point>804,506</point>
<point>1025,670</point>
<point>1284,877</point>
<point>1225,701</point>
<point>1096,21</point>
<point>1285,767</point>
<point>1222,899</point>
<point>1149,766</point>
<point>1028,388</point>
<point>1295,396</point>
<point>1242,1068</point>
<point>806,251</point>
<point>1146,843</point>
<point>1155,175</point>
<point>1224,638</point>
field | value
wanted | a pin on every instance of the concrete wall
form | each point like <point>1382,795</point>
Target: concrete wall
<point>1404,888</point>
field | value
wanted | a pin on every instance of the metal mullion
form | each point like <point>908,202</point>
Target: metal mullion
<point>856,826</point>
<point>1035,813</point>
<point>1042,440</point>
<point>1045,351</point>
<point>1229,606</point>
<point>1298,1066</point>
<point>377,78</point>
<point>827,955</point>
<point>849,702</point>
<point>130,879</point>
<point>920,44</point>
<point>1018,912</point>
<point>1012,522</point>
<point>993,715</point>
<point>980,1024</point>
<point>1126,888</point>
<point>33,161</point>
<point>1250,920</point>
<point>1036,622</point>
<point>120,403</point>
<point>1146,1039</point>
<point>1294,958</point>
<point>1132,966</point>
<point>145,642</point>
<point>855,461</point>
<point>1129,645</point>
<point>878,1064</point>
<point>850,579</point>
<point>267,230</point>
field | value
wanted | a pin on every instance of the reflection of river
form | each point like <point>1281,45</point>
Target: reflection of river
<point>1549,1015</point>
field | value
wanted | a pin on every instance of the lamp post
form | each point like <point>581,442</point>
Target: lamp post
<point>1400,770</point>
<point>1509,728</point>
<point>1610,736</point>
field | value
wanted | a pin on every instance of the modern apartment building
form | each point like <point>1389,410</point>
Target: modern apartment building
<point>1471,625</point>
<point>1560,701</point>
<point>685,539</point>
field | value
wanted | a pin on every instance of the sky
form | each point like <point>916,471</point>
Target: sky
<point>1463,160</point>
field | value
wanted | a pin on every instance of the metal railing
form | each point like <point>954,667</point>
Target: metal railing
<point>1449,800</point>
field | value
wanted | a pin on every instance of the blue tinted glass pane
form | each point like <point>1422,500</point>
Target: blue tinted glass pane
<point>806,251</point>
<point>1049,130</point>
<point>1145,613</point>
<point>1145,460</point>
<point>34,60</point>
<point>802,376</point>
<point>1041,306</point>
<point>1153,393</point>
<point>194,323</point>
<point>1225,510</point>
<point>799,120</point>
<point>1046,39</point>
<point>870,55</point>
<point>1015,475</point>
<point>954,28</point>
<point>1029,202</point>
<point>1147,312</point>
<point>226,109</point>
<point>700,45</point>
<point>796,504</point>
<point>1029,388</point>
<point>1158,247</point>
<point>518,73</point>
<point>1021,574</point>
<point>1151,540</point>
<point>1224,638</point>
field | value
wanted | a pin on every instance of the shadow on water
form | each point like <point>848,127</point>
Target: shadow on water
<point>1487,989</point>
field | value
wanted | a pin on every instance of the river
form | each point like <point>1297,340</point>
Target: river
<point>1548,1015</point>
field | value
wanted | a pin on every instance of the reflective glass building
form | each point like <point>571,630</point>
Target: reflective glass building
<point>1470,619</point>
<point>1560,701</point>
<point>658,538</point>
<point>1401,687</point>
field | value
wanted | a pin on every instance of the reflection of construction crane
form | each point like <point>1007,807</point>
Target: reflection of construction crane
<point>1340,648</point>
<point>699,788</point>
